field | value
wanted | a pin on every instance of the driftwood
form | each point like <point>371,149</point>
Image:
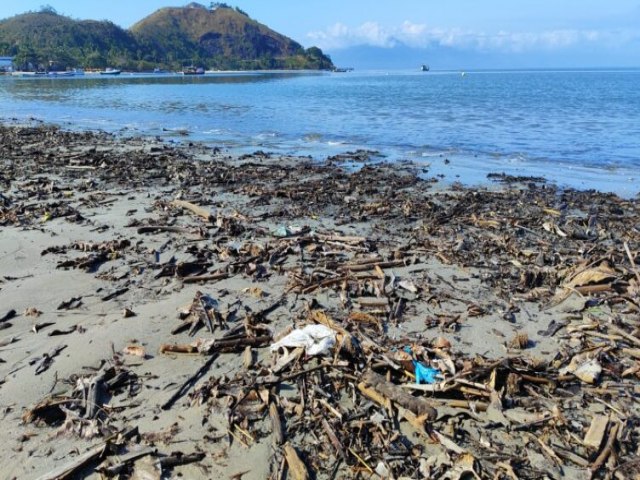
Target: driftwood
<point>193,208</point>
<point>372,266</point>
<point>276,424</point>
<point>71,467</point>
<point>596,432</point>
<point>179,459</point>
<point>333,438</point>
<point>115,294</point>
<point>205,278</point>
<point>96,390</point>
<point>175,348</point>
<point>125,460</point>
<point>190,382</point>
<point>297,468</point>
<point>8,316</point>
<point>608,448</point>
<point>47,359</point>
<point>389,391</point>
<point>164,228</point>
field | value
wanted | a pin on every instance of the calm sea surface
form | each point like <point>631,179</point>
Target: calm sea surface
<point>577,128</point>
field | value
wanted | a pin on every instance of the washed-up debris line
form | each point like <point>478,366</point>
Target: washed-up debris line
<point>325,366</point>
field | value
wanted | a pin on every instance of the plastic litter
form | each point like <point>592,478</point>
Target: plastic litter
<point>423,373</point>
<point>287,231</point>
<point>316,340</point>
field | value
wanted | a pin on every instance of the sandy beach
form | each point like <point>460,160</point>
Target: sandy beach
<point>144,283</point>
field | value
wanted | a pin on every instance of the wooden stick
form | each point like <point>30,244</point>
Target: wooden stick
<point>631,261</point>
<point>632,352</point>
<point>416,405</point>
<point>163,228</point>
<point>193,208</point>
<point>191,381</point>
<point>624,334</point>
<point>325,283</point>
<point>333,438</point>
<point>125,460</point>
<point>365,464</point>
<point>372,302</point>
<point>372,266</point>
<point>96,389</point>
<point>337,238</point>
<point>68,469</point>
<point>608,448</point>
<point>179,459</point>
<point>205,278</point>
<point>175,348</point>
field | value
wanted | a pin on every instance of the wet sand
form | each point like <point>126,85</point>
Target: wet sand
<point>114,250</point>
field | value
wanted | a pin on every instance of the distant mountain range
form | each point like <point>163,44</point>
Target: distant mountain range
<point>215,37</point>
<point>438,57</point>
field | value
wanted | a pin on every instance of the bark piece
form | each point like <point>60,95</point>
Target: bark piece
<point>297,468</point>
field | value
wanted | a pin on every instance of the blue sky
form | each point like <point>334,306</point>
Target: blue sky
<point>533,32</point>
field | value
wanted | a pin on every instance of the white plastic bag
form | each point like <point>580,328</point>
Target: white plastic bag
<point>316,340</point>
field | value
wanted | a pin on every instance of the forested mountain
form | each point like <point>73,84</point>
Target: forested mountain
<point>215,37</point>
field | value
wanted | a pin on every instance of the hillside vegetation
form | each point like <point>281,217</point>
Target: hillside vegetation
<point>219,37</point>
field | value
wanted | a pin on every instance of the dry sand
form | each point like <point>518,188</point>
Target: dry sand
<point>458,283</point>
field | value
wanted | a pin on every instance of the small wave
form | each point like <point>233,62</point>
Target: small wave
<point>312,137</point>
<point>266,135</point>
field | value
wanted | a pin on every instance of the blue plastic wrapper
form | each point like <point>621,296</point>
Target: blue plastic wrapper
<point>423,373</point>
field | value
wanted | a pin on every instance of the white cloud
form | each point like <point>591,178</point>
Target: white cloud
<point>341,36</point>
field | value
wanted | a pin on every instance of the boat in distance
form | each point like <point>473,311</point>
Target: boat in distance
<point>193,71</point>
<point>50,74</point>
<point>110,71</point>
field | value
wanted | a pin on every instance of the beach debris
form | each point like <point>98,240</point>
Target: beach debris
<point>135,350</point>
<point>43,364</point>
<point>32,312</point>
<point>8,316</point>
<point>315,339</point>
<point>352,319</point>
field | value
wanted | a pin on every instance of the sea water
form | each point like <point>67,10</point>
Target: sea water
<point>576,128</point>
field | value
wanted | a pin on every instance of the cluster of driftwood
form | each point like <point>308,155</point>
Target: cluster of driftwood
<point>362,256</point>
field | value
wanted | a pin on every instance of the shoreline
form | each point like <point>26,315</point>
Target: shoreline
<point>449,168</point>
<point>524,297</point>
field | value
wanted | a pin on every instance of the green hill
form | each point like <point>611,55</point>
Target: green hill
<point>219,37</point>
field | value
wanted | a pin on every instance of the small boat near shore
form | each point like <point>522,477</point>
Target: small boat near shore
<point>193,71</point>
<point>424,67</point>
<point>110,71</point>
<point>50,74</point>
<point>68,73</point>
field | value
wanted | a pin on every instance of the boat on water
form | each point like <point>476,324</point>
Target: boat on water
<point>28,74</point>
<point>424,68</point>
<point>193,71</point>
<point>50,74</point>
<point>67,73</point>
<point>110,71</point>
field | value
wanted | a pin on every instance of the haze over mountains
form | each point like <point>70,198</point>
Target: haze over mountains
<point>218,37</point>
<point>401,56</point>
